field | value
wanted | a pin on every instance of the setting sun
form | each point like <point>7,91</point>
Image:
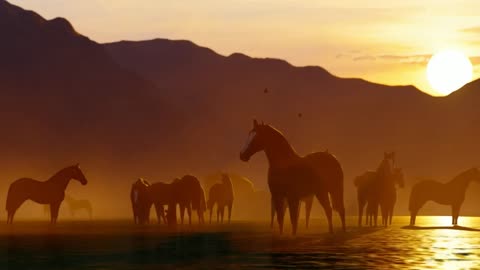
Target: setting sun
<point>449,70</point>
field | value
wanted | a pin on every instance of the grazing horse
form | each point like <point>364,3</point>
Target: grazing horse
<point>160,195</point>
<point>188,194</point>
<point>364,192</point>
<point>451,193</point>
<point>50,192</point>
<point>75,205</point>
<point>292,177</point>
<point>308,209</point>
<point>141,202</point>
<point>222,195</point>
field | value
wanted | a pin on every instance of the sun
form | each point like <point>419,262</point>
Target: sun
<point>448,70</point>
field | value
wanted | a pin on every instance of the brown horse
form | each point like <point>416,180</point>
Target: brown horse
<point>188,194</point>
<point>141,202</point>
<point>382,181</point>
<point>308,209</point>
<point>292,177</point>
<point>160,195</point>
<point>75,205</point>
<point>389,196</point>
<point>50,192</point>
<point>222,195</point>
<point>451,193</point>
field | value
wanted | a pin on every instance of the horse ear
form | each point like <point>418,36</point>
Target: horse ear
<point>77,165</point>
<point>255,123</point>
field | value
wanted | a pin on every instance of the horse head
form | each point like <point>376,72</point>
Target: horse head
<point>474,174</point>
<point>78,175</point>
<point>398,177</point>
<point>255,142</point>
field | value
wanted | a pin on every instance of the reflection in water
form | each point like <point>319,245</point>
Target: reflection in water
<point>117,245</point>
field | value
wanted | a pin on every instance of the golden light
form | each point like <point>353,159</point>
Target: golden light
<point>449,70</point>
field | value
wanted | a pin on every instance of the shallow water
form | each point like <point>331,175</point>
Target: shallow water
<point>241,245</point>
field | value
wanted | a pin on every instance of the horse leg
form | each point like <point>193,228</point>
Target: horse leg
<point>308,211</point>
<point>189,212</point>
<point>222,212</point>
<point>272,212</point>
<point>230,205</point>
<point>325,202</point>
<point>279,210</point>
<point>182,212</point>
<point>361,205</point>
<point>159,211</point>
<point>294,206</point>
<point>211,208</point>
<point>54,207</point>
<point>455,214</point>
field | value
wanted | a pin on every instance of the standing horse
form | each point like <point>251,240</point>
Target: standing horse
<point>363,183</point>
<point>222,195</point>
<point>160,195</point>
<point>381,182</point>
<point>75,205</point>
<point>189,194</point>
<point>50,192</point>
<point>292,177</point>
<point>308,209</point>
<point>141,202</point>
<point>389,196</point>
<point>451,193</point>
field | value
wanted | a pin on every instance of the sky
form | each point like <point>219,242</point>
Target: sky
<point>388,42</point>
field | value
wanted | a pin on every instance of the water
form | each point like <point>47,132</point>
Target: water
<point>242,245</point>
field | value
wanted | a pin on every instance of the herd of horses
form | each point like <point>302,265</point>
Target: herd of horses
<point>292,179</point>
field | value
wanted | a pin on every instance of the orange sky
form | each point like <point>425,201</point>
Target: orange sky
<point>382,41</point>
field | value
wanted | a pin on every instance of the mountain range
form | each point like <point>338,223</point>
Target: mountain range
<point>162,108</point>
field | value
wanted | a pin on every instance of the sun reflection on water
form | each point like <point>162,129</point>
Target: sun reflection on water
<point>450,248</point>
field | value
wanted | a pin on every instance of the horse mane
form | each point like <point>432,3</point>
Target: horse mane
<point>61,173</point>
<point>465,175</point>
<point>278,137</point>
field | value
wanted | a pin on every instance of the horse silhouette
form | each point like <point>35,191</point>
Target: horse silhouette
<point>141,202</point>
<point>388,196</point>
<point>160,195</point>
<point>75,205</point>
<point>308,209</point>
<point>451,193</point>
<point>221,194</point>
<point>375,189</point>
<point>188,194</point>
<point>292,177</point>
<point>50,192</point>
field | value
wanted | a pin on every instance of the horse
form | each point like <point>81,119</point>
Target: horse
<point>189,194</point>
<point>75,205</point>
<point>308,209</point>
<point>160,194</point>
<point>292,177</point>
<point>141,202</point>
<point>363,184</point>
<point>50,192</point>
<point>222,195</point>
<point>389,196</point>
<point>451,193</point>
<point>381,182</point>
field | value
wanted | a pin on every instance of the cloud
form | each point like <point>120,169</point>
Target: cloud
<point>471,30</point>
<point>365,58</point>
